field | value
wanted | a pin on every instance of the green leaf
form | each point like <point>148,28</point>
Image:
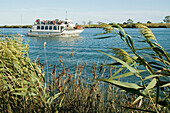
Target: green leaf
<point>120,69</point>
<point>140,97</point>
<point>146,32</point>
<point>21,89</point>
<point>165,85</point>
<point>152,84</point>
<point>113,64</point>
<point>157,91</point>
<point>151,76</point>
<point>164,52</point>
<point>144,48</point>
<point>120,28</point>
<point>24,93</point>
<point>52,98</point>
<point>129,87</point>
<point>123,84</point>
<point>131,42</point>
<point>124,63</point>
<point>125,74</point>
<point>24,82</point>
<point>121,54</point>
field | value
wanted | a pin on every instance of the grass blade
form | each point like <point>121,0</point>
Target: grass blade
<point>129,87</point>
<point>125,74</point>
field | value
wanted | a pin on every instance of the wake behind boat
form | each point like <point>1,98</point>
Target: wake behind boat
<point>54,28</point>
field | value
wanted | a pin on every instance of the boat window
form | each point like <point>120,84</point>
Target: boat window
<point>42,27</point>
<point>54,27</point>
<point>58,27</point>
<point>38,27</point>
<point>62,27</point>
<point>46,27</point>
<point>50,27</point>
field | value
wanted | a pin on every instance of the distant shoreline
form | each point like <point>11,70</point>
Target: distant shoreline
<point>133,25</point>
<point>150,25</point>
<point>16,26</point>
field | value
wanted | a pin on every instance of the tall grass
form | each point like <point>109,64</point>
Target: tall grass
<point>22,86</point>
<point>156,68</point>
<point>81,93</point>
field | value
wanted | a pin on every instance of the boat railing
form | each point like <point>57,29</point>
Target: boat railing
<point>48,23</point>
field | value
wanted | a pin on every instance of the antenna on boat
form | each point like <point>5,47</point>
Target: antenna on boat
<point>66,15</point>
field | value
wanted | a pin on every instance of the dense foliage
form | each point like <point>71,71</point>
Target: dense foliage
<point>25,88</point>
<point>22,84</point>
<point>155,82</point>
<point>167,19</point>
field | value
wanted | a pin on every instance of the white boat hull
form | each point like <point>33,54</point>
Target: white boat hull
<point>70,32</point>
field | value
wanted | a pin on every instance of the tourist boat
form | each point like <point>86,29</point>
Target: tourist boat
<point>54,28</point>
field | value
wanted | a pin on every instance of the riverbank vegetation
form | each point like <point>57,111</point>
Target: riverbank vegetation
<point>131,25</point>
<point>25,88</point>
<point>155,62</point>
<point>149,25</point>
<point>99,25</point>
<point>16,26</point>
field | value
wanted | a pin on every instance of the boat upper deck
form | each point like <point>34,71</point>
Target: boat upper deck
<point>52,22</point>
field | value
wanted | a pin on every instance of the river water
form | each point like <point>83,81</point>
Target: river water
<point>82,49</point>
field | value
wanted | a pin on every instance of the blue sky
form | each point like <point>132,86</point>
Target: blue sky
<point>117,11</point>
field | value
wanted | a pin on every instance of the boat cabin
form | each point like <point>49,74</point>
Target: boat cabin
<point>56,25</point>
<point>54,28</point>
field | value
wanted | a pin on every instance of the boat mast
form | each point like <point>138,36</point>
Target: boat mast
<point>66,15</point>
